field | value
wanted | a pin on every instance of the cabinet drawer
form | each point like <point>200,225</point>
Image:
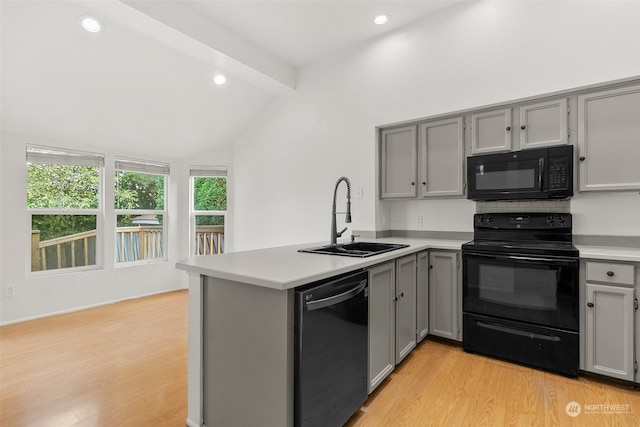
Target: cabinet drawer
<point>607,272</point>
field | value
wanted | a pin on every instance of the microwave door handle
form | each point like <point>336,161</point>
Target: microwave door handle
<point>540,172</point>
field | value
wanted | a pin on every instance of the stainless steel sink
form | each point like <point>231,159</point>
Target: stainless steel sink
<point>357,249</point>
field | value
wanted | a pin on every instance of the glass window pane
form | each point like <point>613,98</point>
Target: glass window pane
<point>209,238</point>
<point>209,193</point>
<point>62,241</point>
<point>53,186</point>
<point>135,190</point>
<point>139,237</point>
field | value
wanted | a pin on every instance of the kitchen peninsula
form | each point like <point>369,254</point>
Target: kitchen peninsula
<point>241,329</point>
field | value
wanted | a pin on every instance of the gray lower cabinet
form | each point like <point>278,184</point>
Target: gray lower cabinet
<point>445,295</point>
<point>610,315</point>
<point>392,316</point>
<point>422,296</point>
<point>382,322</point>
<point>405,300</point>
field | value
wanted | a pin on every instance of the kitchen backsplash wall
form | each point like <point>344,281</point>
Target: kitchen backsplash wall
<point>563,206</point>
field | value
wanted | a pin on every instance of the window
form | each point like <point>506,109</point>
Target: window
<point>64,207</point>
<point>208,209</point>
<point>141,210</point>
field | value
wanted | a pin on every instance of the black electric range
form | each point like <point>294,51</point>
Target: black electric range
<point>520,290</point>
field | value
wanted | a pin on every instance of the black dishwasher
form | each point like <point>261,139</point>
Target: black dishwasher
<point>331,350</point>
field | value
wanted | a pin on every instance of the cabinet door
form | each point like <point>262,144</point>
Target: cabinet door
<point>610,331</point>
<point>444,304</point>
<point>382,322</point>
<point>405,306</point>
<point>543,124</point>
<point>422,296</point>
<point>441,158</point>
<point>398,158</point>
<point>491,131</point>
<point>608,139</point>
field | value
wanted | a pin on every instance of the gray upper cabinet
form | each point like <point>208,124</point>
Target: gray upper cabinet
<point>442,158</point>
<point>543,124</point>
<point>609,139</point>
<point>491,131</point>
<point>398,158</point>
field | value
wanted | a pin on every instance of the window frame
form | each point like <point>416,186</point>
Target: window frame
<point>205,172</point>
<point>148,167</point>
<point>62,156</point>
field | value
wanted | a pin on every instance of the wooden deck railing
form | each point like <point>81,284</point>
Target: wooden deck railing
<point>209,239</point>
<point>132,244</point>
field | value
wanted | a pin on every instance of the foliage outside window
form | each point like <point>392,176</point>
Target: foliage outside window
<point>63,202</point>
<point>208,210</point>
<point>139,201</point>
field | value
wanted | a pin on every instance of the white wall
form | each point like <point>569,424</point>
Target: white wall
<point>45,295</point>
<point>476,54</point>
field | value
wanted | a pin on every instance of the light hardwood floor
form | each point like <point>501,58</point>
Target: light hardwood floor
<point>125,364</point>
<point>122,364</point>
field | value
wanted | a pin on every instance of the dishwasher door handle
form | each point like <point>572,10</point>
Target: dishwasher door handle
<point>336,299</point>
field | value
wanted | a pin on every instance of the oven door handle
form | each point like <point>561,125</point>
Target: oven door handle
<point>562,261</point>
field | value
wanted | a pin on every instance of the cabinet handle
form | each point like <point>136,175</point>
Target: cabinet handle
<point>413,183</point>
<point>431,266</point>
<point>522,127</point>
<point>395,299</point>
<point>610,273</point>
<point>401,294</point>
<point>424,183</point>
<point>508,128</point>
<point>582,158</point>
<point>590,305</point>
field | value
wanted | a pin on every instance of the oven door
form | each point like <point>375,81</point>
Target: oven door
<point>507,176</point>
<point>533,289</point>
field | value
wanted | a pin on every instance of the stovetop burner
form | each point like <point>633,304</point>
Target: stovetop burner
<point>547,234</point>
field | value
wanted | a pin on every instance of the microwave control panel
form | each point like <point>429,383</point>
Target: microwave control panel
<point>558,173</point>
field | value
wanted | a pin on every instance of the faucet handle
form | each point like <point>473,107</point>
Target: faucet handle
<point>353,237</point>
<point>339,233</point>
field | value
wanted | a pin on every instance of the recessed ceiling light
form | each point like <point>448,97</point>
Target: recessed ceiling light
<point>381,19</point>
<point>91,23</point>
<point>219,79</point>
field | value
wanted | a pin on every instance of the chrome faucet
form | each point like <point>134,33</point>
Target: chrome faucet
<point>335,234</point>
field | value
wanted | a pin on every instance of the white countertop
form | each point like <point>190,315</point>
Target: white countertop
<point>609,253</point>
<point>285,268</point>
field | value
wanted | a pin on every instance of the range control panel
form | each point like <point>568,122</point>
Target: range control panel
<point>527,221</point>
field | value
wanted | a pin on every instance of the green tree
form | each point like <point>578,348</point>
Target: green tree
<point>210,194</point>
<point>52,186</point>
<point>138,191</point>
<point>62,186</point>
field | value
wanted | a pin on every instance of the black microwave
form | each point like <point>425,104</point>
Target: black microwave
<point>535,174</point>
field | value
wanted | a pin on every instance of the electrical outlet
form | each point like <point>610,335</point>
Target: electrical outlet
<point>9,290</point>
<point>419,221</point>
<point>358,194</point>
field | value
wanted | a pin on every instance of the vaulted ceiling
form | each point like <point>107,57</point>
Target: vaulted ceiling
<point>144,84</point>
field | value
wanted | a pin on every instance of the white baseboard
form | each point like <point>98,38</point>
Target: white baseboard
<point>71,310</point>
<point>191,423</point>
